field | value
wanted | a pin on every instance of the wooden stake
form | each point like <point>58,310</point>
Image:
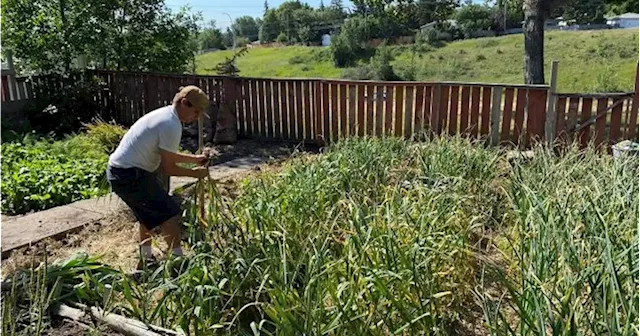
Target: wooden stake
<point>201,150</point>
<point>550,122</point>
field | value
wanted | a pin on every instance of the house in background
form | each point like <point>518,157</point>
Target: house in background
<point>627,20</point>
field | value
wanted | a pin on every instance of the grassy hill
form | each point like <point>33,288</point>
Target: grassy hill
<point>599,61</point>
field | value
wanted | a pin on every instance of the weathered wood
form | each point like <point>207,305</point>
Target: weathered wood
<point>586,115</point>
<point>486,111</point>
<point>521,103</point>
<point>496,102</point>
<point>443,109</point>
<point>453,110</point>
<point>121,324</point>
<point>550,127</point>
<point>344,119</point>
<point>464,110</point>
<point>616,116</point>
<point>369,110</point>
<point>352,110</point>
<point>601,122</point>
<point>327,100</point>
<point>408,111</point>
<point>268,96</point>
<point>475,112</point>
<point>317,110</point>
<point>536,116</point>
<point>299,113</point>
<point>379,110</point>
<point>632,128</point>
<point>398,112</point>
<point>334,114</point>
<point>388,110</point>
<point>361,97</point>
<point>418,118</point>
<point>308,122</point>
<point>505,133</point>
<point>426,116</point>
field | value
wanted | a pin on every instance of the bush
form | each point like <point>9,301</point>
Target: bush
<point>282,38</point>
<point>343,53</point>
<point>381,65</point>
<point>242,41</point>
<point>297,59</point>
<point>359,73</point>
<point>105,135</point>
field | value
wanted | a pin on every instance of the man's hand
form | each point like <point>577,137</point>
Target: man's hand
<point>203,159</point>
<point>200,172</point>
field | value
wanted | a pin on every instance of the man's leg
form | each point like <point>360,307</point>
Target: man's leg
<point>171,232</point>
<point>145,242</point>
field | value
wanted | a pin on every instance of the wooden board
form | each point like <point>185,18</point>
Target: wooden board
<point>379,110</point>
<point>388,110</point>
<point>464,110</point>
<point>344,119</point>
<point>360,123</point>
<point>584,135</point>
<point>418,118</point>
<point>268,108</point>
<point>397,116</point>
<point>536,117</point>
<point>505,132</point>
<point>370,110</point>
<point>443,109</point>
<point>308,122</point>
<point>615,130</point>
<point>474,112</point>
<point>408,110</point>
<point>454,104</point>
<point>601,123</point>
<point>518,127</point>
<point>486,111</point>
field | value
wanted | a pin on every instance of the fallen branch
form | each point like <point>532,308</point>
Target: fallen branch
<point>121,324</point>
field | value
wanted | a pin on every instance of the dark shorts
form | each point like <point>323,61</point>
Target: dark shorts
<point>144,193</point>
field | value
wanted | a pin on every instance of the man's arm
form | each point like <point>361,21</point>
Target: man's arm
<point>170,160</point>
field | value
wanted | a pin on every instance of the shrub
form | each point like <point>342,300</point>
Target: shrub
<point>282,38</point>
<point>343,54</point>
<point>105,135</point>
<point>359,73</point>
<point>381,65</point>
<point>480,58</point>
<point>297,59</point>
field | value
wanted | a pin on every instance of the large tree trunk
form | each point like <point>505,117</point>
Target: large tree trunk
<point>534,16</point>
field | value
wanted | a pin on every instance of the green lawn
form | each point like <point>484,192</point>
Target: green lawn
<point>589,60</point>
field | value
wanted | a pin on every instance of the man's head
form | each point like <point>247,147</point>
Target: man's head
<point>190,102</point>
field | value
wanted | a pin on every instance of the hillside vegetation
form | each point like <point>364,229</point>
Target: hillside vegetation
<point>600,61</point>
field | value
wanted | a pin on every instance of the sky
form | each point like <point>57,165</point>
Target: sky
<point>216,9</point>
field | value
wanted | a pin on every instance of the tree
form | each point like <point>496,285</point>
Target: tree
<point>321,7</point>
<point>584,11</point>
<point>435,10</point>
<point>535,13</point>
<point>266,7</point>
<point>229,38</point>
<point>211,37</point>
<point>246,26</point>
<point>118,34</point>
<point>473,17</point>
<point>270,27</point>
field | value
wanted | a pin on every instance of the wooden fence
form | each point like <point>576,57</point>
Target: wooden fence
<point>316,110</point>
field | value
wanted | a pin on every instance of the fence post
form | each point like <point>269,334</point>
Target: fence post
<point>496,104</point>
<point>551,115</point>
<point>435,110</point>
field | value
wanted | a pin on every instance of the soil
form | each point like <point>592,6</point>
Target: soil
<point>71,328</point>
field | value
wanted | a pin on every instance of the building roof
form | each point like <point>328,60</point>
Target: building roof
<point>631,16</point>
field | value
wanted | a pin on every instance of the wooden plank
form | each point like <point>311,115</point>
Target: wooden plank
<point>379,110</point>
<point>615,130</point>
<point>262,108</point>
<point>444,109</point>
<point>418,118</point>
<point>317,111</point>
<point>632,128</point>
<point>330,113</point>
<point>408,111</point>
<point>496,107</point>
<point>284,114</point>
<point>352,110</point>
<point>601,122</point>
<point>269,110</point>
<point>291,108</point>
<point>388,110</point>
<point>464,110</point>
<point>397,116</point>
<point>242,107</point>
<point>255,130</point>
<point>308,122</point>
<point>583,136</point>
<point>474,112</point>
<point>561,125</point>
<point>518,127</point>
<point>360,125</point>
<point>486,111</point>
<point>536,117</point>
<point>572,114</point>
<point>344,120</point>
<point>369,110</point>
<point>453,110</point>
<point>299,112</point>
<point>426,115</point>
<point>505,133</point>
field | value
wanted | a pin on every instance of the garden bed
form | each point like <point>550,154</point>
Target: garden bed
<point>393,237</point>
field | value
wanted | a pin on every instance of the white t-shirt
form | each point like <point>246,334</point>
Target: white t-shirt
<point>140,146</point>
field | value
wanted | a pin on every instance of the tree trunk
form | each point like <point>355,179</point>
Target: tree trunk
<point>534,16</point>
